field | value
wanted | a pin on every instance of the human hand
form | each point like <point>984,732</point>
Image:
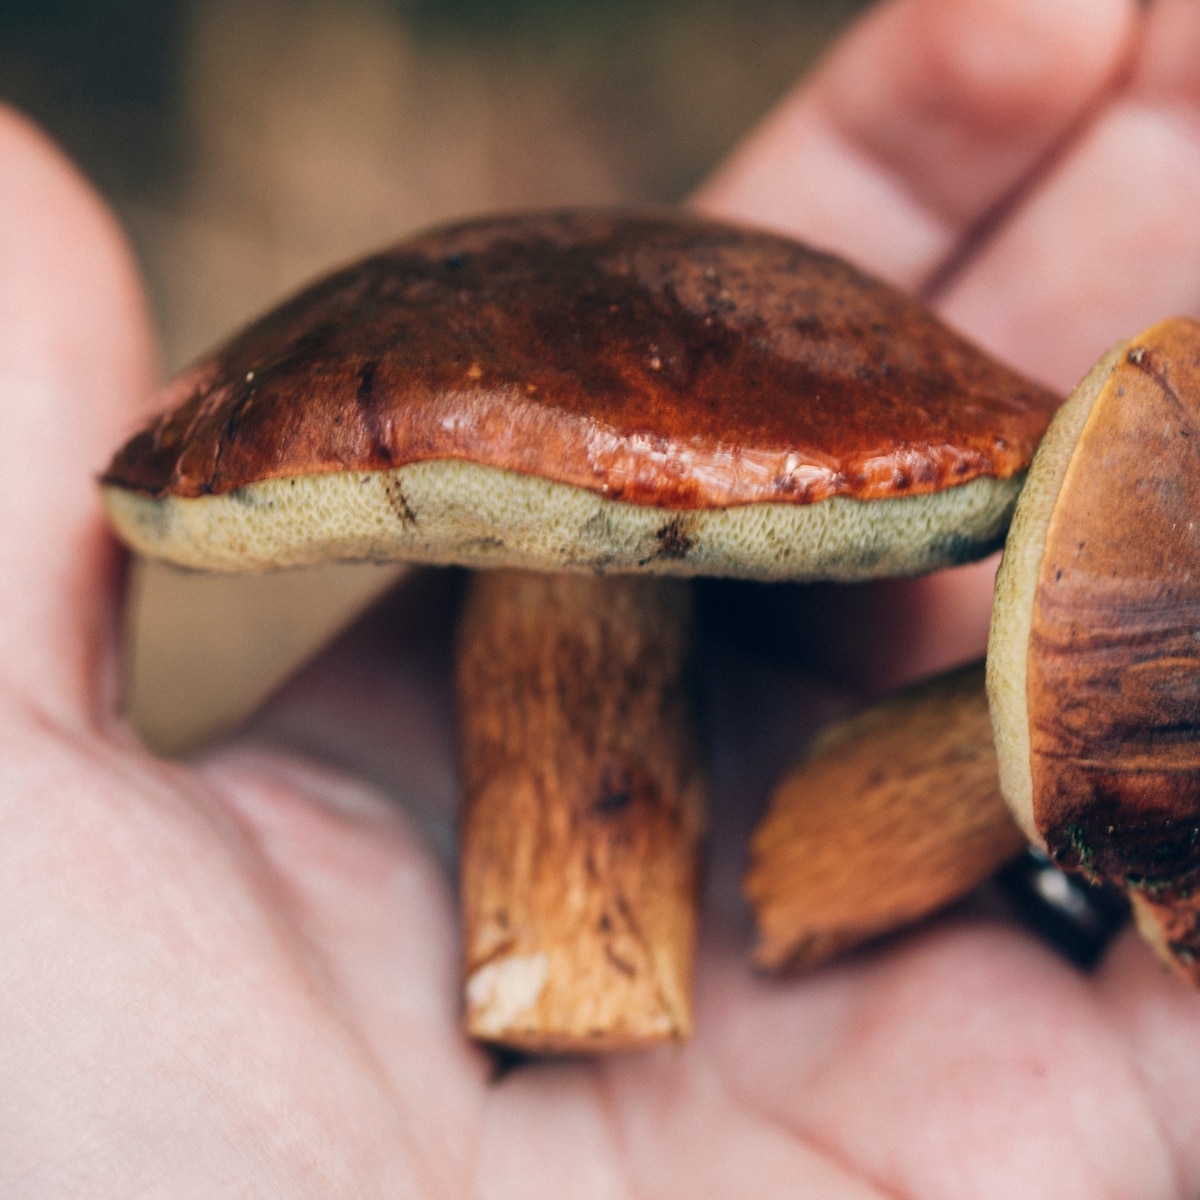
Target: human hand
<point>240,978</point>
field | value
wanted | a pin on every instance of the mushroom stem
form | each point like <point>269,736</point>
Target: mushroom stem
<point>583,810</point>
<point>895,813</point>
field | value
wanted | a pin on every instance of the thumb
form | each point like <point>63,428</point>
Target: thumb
<point>75,359</point>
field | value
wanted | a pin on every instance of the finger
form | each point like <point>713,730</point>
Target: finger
<point>75,358</point>
<point>1110,242</point>
<point>920,123</point>
<point>1158,1018</point>
<point>1107,245</point>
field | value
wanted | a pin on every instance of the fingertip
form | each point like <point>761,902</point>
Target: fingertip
<point>1011,59</point>
<point>977,90</point>
<point>925,117</point>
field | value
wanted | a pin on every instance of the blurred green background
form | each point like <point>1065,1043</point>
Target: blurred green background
<point>248,144</point>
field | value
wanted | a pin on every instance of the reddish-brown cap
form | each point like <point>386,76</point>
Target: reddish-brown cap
<point>661,359</point>
<point>536,390</point>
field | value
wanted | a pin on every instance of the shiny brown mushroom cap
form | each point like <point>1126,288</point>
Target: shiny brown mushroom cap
<point>1094,660</point>
<point>652,362</point>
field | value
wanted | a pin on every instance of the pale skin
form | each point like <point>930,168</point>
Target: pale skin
<point>239,977</point>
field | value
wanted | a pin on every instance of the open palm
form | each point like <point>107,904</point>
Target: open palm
<point>240,977</point>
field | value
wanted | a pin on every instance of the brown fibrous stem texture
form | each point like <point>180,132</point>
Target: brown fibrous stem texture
<point>583,810</point>
<point>895,813</point>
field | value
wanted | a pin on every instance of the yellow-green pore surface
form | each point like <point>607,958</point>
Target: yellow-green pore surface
<point>595,391</point>
<point>461,512</point>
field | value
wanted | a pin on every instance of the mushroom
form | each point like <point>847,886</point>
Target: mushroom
<point>1094,654</point>
<point>594,402</point>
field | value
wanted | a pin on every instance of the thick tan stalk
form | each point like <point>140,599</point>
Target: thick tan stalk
<point>895,813</point>
<point>583,811</point>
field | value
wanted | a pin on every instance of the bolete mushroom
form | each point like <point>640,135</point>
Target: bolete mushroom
<point>592,401</point>
<point>1094,655</point>
<point>1093,679</point>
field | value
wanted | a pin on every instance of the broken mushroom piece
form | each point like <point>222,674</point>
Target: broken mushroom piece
<point>894,813</point>
<point>1094,660</point>
<point>602,394</point>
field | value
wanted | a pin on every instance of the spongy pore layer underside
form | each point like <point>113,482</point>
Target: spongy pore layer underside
<point>453,511</point>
